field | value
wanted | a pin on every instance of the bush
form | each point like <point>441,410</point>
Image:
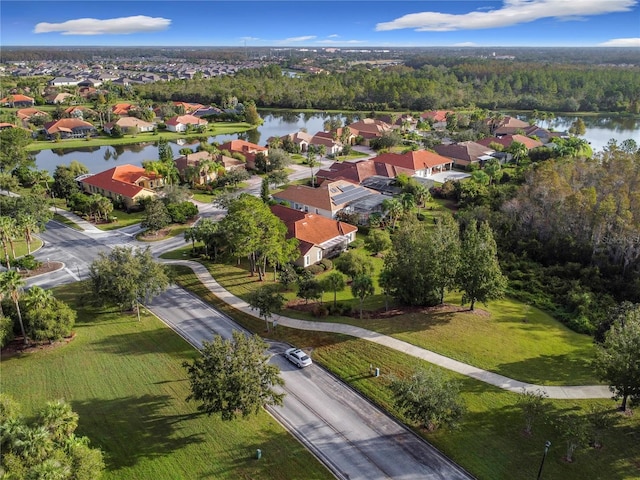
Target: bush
<point>315,269</point>
<point>357,243</point>
<point>326,264</point>
<point>28,262</point>
<point>341,309</point>
<point>320,311</point>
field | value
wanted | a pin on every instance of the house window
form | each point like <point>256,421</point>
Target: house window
<point>306,209</point>
<point>317,211</point>
<point>306,260</point>
<point>319,255</point>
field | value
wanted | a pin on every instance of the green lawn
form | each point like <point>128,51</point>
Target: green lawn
<point>507,336</point>
<point>65,221</point>
<point>126,381</point>
<point>124,219</point>
<point>489,442</point>
<point>220,128</point>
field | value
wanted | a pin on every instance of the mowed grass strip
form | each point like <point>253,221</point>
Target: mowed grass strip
<point>126,381</point>
<point>506,337</point>
<point>489,441</point>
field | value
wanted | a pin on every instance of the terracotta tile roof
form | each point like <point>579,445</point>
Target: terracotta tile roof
<point>186,120</point>
<point>121,108</point>
<point>16,98</point>
<point>189,107</point>
<point>413,161</point>
<point>65,125</point>
<point>310,229</point>
<point>121,180</point>
<point>370,126</point>
<point>507,140</point>
<point>465,151</point>
<point>25,113</point>
<point>321,197</point>
<point>356,172</point>
<point>437,115</point>
<point>242,146</point>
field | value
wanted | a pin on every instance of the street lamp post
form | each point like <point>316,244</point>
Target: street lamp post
<point>547,444</point>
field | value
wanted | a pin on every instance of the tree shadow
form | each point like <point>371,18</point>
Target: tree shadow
<point>131,428</point>
<point>567,369</point>
<point>146,342</point>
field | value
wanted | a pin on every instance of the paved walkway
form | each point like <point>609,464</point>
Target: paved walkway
<point>88,227</point>
<point>559,392</point>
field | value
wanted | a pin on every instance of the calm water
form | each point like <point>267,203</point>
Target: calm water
<point>599,131</point>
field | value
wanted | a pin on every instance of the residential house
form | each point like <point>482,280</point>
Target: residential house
<point>507,140</point>
<point>247,149</point>
<point>90,82</point>
<point>5,125</point>
<point>58,98</point>
<point>130,124</point>
<point>69,128</point>
<point>26,114</point>
<point>125,183</point>
<point>325,139</point>
<point>63,82</point>
<point>122,108</point>
<point>301,139</point>
<point>189,108</point>
<point>465,153</point>
<point>355,172</point>
<point>368,129</point>
<point>182,122</point>
<point>326,200</point>
<point>17,100</point>
<point>418,163</point>
<point>79,111</point>
<point>318,237</point>
<point>507,126</point>
<point>438,118</point>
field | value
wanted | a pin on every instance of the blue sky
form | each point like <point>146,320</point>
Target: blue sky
<point>321,23</point>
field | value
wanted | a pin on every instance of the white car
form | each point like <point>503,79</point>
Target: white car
<point>297,357</point>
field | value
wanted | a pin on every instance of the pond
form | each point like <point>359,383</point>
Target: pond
<point>599,131</point>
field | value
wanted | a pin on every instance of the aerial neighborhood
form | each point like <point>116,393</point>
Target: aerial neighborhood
<point>319,262</point>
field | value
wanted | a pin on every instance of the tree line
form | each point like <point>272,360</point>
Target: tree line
<point>488,84</point>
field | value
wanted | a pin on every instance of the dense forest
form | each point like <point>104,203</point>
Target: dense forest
<point>490,84</point>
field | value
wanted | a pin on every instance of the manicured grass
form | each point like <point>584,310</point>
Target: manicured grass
<point>124,220</point>
<point>126,381</point>
<point>213,129</point>
<point>489,442</point>
<point>21,248</point>
<point>65,221</point>
<point>507,336</point>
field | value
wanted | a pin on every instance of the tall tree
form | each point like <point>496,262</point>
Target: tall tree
<point>353,263</point>
<point>233,377</point>
<point>312,162</point>
<point>156,215</point>
<point>266,300</point>
<point>125,277</point>
<point>617,359</point>
<point>479,276</point>
<point>361,288</point>
<point>334,282</point>
<point>443,254</point>
<point>429,398</point>
<point>11,284</point>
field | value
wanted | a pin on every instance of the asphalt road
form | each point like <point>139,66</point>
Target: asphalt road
<point>352,437</point>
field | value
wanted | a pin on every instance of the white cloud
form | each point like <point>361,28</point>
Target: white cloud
<point>512,12</point>
<point>465,44</point>
<point>112,26</point>
<point>303,38</point>
<point>621,42</point>
<point>335,35</point>
<point>250,39</point>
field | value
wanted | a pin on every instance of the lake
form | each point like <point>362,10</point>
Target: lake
<point>599,131</point>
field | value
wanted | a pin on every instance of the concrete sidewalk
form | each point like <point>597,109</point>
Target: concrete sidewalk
<point>87,227</point>
<point>559,392</point>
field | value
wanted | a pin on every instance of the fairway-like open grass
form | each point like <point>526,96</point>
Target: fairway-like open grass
<point>507,336</point>
<point>126,381</point>
<point>489,442</point>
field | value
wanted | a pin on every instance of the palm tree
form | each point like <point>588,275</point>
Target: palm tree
<point>37,297</point>
<point>408,202</point>
<point>28,225</point>
<point>275,142</point>
<point>393,208</point>
<point>8,229</point>
<point>12,283</point>
<point>312,162</point>
<point>421,194</point>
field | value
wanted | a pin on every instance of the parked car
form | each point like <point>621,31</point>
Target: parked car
<point>298,357</point>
